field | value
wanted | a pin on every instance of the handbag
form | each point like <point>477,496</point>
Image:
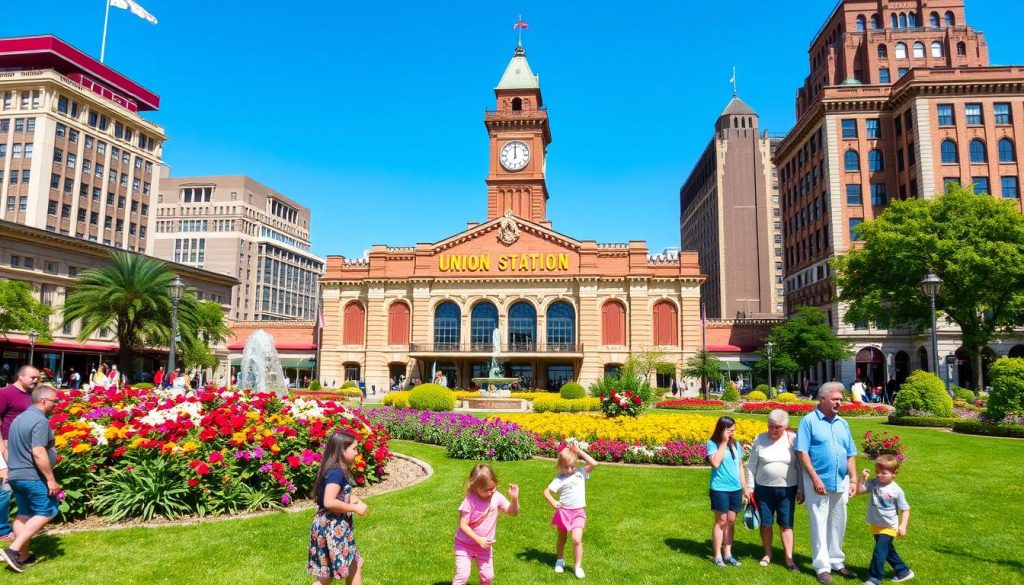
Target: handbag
<point>751,517</point>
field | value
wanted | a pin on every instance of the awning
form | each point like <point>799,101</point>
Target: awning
<point>306,364</point>
<point>733,367</point>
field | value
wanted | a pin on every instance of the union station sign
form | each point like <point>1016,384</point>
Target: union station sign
<point>527,262</point>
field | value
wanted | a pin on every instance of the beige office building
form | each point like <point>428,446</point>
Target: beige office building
<point>76,156</point>
<point>236,226</point>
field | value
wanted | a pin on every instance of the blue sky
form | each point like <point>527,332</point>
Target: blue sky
<point>371,113</point>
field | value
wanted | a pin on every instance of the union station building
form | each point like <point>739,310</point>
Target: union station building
<point>564,309</point>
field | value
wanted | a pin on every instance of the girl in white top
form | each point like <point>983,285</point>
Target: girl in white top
<point>570,508</point>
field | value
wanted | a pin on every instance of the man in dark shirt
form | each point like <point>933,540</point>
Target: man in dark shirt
<point>14,399</point>
<point>33,455</point>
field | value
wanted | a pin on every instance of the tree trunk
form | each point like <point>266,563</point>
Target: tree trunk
<point>979,375</point>
<point>127,369</point>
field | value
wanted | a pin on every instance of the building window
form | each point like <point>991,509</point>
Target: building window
<point>875,161</point>
<point>961,49</point>
<point>853,195</point>
<point>901,51</point>
<point>851,160</point>
<point>899,160</point>
<point>854,222</point>
<point>876,22</point>
<point>849,128</point>
<point>937,49</point>
<point>977,152</point>
<point>950,183</point>
<point>522,327</point>
<point>613,323</point>
<point>950,19</point>
<point>561,327</point>
<point>933,20</point>
<point>482,322</point>
<point>1006,154</point>
<point>51,208</point>
<point>911,154</point>
<point>862,23</point>
<point>919,50</point>
<point>666,324</point>
<point>878,194</point>
<point>883,75</point>
<point>981,185</point>
<point>447,317</point>
<point>1002,114</point>
<point>883,52</point>
<point>973,113</point>
<point>945,114</point>
<point>872,128</point>
<point>948,152</point>
<point>1011,188</point>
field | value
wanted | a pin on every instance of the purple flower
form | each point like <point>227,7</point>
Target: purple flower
<point>257,453</point>
<point>265,468</point>
<point>286,499</point>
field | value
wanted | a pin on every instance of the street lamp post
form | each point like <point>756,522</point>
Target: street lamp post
<point>32,337</point>
<point>176,288</point>
<point>930,286</point>
<point>768,346</point>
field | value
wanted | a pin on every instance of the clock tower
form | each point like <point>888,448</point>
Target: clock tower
<point>519,134</point>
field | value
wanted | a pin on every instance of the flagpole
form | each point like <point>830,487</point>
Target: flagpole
<point>520,28</point>
<point>106,19</point>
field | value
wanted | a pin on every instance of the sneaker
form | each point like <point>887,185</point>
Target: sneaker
<point>718,562</point>
<point>905,577</point>
<point>732,561</point>
<point>13,559</point>
<point>870,582</point>
<point>579,573</point>
<point>560,566</point>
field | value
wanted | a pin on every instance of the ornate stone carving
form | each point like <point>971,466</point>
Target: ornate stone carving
<point>508,230</point>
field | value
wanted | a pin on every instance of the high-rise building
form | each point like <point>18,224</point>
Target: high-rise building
<point>236,226</point>
<point>729,214</point>
<point>76,156</point>
<point>900,101</point>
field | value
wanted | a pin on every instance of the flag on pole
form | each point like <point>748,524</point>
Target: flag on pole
<point>135,8</point>
<point>733,78</point>
<point>520,24</point>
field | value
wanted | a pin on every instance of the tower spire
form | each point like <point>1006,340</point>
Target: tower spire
<point>733,81</point>
<point>520,25</point>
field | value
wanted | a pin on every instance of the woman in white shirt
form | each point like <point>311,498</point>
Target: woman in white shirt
<point>774,471</point>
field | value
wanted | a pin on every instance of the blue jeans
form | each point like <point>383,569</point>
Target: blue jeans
<point>5,509</point>
<point>885,551</point>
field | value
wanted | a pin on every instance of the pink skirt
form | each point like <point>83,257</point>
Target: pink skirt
<point>569,519</point>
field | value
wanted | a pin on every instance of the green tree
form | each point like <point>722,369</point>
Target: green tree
<point>974,243</point>
<point>705,366</point>
<point>196,354</point>
<point>130,296</point>
<point>209,323</point>
<point>21,311</point>
<point>804,339</point>
<point>640,364</point>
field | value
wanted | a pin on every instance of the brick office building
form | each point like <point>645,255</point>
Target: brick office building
<point>900,101</point>
<point>565,309</point>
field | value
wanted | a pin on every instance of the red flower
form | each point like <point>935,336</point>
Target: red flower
<point>193,482</point>
<point>294,461</point>
<point>216,457</point>
<point>637,400</point>
<point>119,451</point>
<point>207,434</point>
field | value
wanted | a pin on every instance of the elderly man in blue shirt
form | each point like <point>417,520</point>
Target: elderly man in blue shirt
<point>827,453</point>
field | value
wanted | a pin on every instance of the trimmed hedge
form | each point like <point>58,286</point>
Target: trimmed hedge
<point>974,427</point>
<point>314,385</point>
<point>787,397</point>
<point>763,389</point>
<point>964,394</point>
<point>396,398</point>
<point>757,395</point>
<point>1007,397</point>
<point>730,395</point>
<point>923,391</point>
<point>922,421</point>
<point>433,397</point>
<point>572,391</point>
<point>555,403</point>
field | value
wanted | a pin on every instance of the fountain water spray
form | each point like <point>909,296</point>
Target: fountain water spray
<point>261,367</point>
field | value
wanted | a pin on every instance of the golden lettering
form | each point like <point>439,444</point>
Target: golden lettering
<point>563,262</point>
<point>550,261</point>
<point>503,263</point>
<point>445,263</point>
<point>524,262</point>
<point>473,264</point>
<point>485,263</point>
<point>536,262</point>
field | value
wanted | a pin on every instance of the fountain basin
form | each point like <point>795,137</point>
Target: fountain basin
<point>493,403</point>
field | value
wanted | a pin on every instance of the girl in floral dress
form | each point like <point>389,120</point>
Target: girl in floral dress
<point>332,546</point>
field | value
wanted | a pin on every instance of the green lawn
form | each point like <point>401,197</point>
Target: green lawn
<point>647,525</point>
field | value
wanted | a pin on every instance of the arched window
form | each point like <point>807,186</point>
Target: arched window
<point>613,323</point>
<point>903,20</point>
<point>862,23</point>
<point>961,49</point>
<point>919,50</point>
<point>517,104</point>
<point>950,19</point>
<point>895,21</point>
<point>1006,154</point>
<point>666,324</point>
<point>937,49</point>
<point>522,327</point>
<point>447,326</point>
<point>398,324</point>
<point>483,319</point>
<point>876,22</point>
<point>353,324</point>
<point>948,152</point>
<point>901,51</point>
<point>851,161</point>
<point>561,324</point>
<point>922,359</point>
<point>875,161</point>
<point>883,53</point>
<point>977,151</point>
<point>911,20</point>
<point>933,19</point>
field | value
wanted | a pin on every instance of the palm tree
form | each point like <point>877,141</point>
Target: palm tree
<point>130,296</point>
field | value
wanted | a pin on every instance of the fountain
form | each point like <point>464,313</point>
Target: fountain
<point>261,368</point>
<point>495,389</point>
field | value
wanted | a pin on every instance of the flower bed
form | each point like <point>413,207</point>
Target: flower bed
<point>671,453</point>
<point>876,444</point>
<point>847,409</point>
<point>463,435</point>
<point>555,403</point>
<point>691,404</point>
<point>148,452</point>
<point>648,430</point>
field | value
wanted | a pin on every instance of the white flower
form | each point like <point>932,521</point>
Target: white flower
<point>99,432</point>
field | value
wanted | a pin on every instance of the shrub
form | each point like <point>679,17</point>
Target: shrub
<point>882,444</point>
<point>350,384</point>
<point>922,421</point>
<point>315,385</point>
<point>786,397</point>
<point>553,403</point>
<point>626,403</point>
<point>763,389</point>
<point>691,404</point>
<point>757,395</point>
<point>492,441</point>
<point>924,391</point>
<point>731,395</point>
<point>142,385</point>
<point>396,398</point>
<point>572,391</point>
<point>975,427</point>
<point>434,397</point>
<point>960,393</point>
<point>637,386</point>
<point>1007,397</point>
<point>464,435</point>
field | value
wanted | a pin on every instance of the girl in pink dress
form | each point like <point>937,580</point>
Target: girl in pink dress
<point>478,520</point>
<point>571,506</point>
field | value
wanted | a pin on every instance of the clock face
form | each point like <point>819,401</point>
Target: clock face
<point>514,155</point>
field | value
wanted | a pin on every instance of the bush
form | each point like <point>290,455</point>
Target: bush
<point>464,435</point>
<point>350,384</point>
<point>396,398</point>
<point>786,397</point>
<point>314,385</point>
<point>608,384</point>
<point>553,403</point>
<point>626,403</point>
<point>572,391</point>
<point>731,395</point>
<point>691,404</point>
<point>763,389</point>
<point>922,421</point>
<point>1007,397</point>
<point>757,395</point>
<point>960,393</point>
<point>142,385</point>
<point>434,397</point>
<point>975,427</point>
<point>493,441</point>
<point>924,391</point>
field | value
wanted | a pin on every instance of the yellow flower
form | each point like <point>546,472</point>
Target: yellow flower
<point>649,429</point>
<point>238,437</point>
<point>252,415</point>
<point>81,448</point>
<point>136,442</point>
<point>189,447</point>
<point>75,410</point>
<point>60,441</point>
<point>275,448</point>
